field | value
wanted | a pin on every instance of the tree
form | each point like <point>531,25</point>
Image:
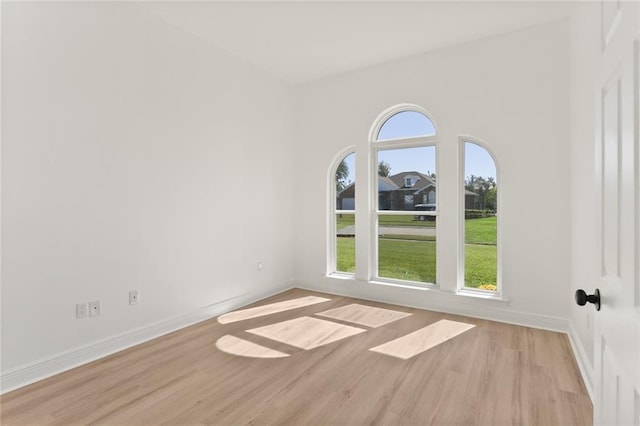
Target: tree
<point>384,169</point>
<point>342,173</point>
<point>486,190</point>
<point>492,199</point>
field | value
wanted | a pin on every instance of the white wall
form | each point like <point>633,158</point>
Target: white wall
<point>125,139</point>
<point>134,156</point>
<point>511,91</point>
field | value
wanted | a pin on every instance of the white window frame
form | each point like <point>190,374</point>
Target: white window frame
<point>332,240</point>
<point>366,212</point>
<point>392,144</point>
<point>461,289</point>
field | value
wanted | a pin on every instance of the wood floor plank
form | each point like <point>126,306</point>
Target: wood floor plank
<point>271,308</point>
<point>497,374</point>
<point>415,343</point>
<point>306,332</point>
<point>369,316</point>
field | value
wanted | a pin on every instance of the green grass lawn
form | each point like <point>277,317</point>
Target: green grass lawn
<point>346,254</point>
<point>480,231</point>
<point>480,265</point>
<point>407,260</point>
<point>413,258</point>
<point>344,220</point>
<point>480,251</point>
<point>399,259</point>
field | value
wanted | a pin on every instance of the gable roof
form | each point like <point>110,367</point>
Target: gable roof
<point>423,182</point>
<point>386,184</point>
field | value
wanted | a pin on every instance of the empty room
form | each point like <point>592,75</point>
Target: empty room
<point>320,212</point>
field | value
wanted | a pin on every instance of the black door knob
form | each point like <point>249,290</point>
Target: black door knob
<point>582,298</point>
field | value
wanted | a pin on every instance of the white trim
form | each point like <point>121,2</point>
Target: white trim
<point>403,143</point>
<point>608,33</point>
<point>39,370</point>
<point>636,166</point>
<point>580,354</point>
<point>390,112</point>
<point>394,282</point>
<point>481,294</point>
<point>1,174</point>
<point>438,301</point>
<point>461,214</point>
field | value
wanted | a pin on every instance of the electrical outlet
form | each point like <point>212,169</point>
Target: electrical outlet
<point>81,310</point>
<point>94,308</point>
<point>133,297</point>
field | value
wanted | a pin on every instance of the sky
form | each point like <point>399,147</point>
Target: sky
<point>478,162</point>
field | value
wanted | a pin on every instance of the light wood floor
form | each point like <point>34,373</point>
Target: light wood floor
<point>491,374</point>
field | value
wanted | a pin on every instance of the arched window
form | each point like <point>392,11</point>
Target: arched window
<point>342,249</point>
<point>404,229</point>
<point>405,215</point>
<point>480,201</point>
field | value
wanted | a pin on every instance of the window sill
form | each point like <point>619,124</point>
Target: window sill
<point>466,293</point>
<point>482,295</point>
<point>341,276</point>
<point>401,284</point>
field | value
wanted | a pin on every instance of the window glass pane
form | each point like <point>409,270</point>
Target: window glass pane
<point>405,251</point>
<point>480,260</point>
<point>407,179</point>
<point>345,243</point>
<point>345,183</point>
<point>406,124</point>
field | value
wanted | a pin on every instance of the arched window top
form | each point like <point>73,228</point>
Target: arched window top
<point>406,124</point>
<point>479,160</point>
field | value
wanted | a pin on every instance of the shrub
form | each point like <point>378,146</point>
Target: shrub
<point>475,214</point>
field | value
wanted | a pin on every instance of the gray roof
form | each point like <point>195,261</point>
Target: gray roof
<point>423,182</point>
<point>388,181</point>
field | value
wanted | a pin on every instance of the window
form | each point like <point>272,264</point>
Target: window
<point>402,210</point>
<point>480,194</point>
<point>343,253</point>
<point>405,241</point>
<point>410,181</point>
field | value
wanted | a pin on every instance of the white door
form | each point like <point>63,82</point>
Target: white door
<point>617,324</point>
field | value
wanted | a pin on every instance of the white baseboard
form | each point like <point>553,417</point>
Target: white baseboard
<point>443,302</point>
<point>33,372</point>
<point>586,369</point>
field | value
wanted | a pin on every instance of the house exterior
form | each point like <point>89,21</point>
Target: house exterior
<point>402,191</point>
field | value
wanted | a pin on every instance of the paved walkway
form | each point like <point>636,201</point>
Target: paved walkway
<point>395,230</point>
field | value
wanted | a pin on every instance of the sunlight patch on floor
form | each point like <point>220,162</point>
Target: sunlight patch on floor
<point>306,332</point>
<point>423,339</point>
<point>269,309</point>
<point>240,347</point>
<point>368,316</point>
